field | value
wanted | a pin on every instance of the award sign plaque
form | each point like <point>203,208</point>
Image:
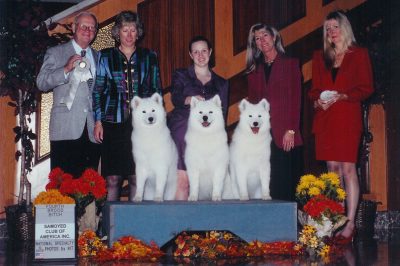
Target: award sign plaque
<point>55,231</point>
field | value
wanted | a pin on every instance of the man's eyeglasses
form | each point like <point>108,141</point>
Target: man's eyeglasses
<point>85,28</point>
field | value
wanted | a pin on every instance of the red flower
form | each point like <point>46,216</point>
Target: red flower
<point>320,205</point>
<point>68,187</point>
<point>89,184</point>
<point>57,177</point>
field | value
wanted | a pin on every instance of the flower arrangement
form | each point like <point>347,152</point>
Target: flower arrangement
<point>327,184</point>
<point>321,211</point>
<point>130,248</point>
<point>52,196</point>
<point>309,239</point>
<point>212,245</point>
<point>215,244</point>
<point>88,188</point>
<point>89,244</point>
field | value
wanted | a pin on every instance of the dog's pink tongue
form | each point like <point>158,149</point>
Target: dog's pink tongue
<point>255,130</point>
<point>205,124</point>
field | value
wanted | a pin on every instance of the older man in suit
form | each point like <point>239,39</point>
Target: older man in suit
<point>72,146</point>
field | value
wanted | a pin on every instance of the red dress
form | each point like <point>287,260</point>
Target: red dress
<point>338,129</point>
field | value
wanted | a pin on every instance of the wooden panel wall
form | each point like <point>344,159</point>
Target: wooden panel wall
<point>7,151</point>
<point>170,25</point>
<point>393,110</point>
<point>378,189</point>
<point>105,10</point>
<point>279,14</point>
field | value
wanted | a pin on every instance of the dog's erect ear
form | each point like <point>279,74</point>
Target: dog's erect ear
<point>157,98</point>
<point>193,102</point>
<point>135,102</point>
<point>217,100</point>
<point>243,104</point>
<point>264,103</point>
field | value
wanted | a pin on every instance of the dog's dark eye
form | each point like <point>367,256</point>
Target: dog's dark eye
<point>211,112</point>
<point>201,112</point>
<point>143,111</point>
<point>153,110</point>
<point>250,116</point>
<point>259,115</point>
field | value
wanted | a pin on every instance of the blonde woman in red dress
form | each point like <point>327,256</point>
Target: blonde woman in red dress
<point>342,78</point>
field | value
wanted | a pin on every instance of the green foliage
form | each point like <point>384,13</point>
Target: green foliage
<point>24,40</point>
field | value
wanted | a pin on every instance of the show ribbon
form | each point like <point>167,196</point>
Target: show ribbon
<point>81,73</point>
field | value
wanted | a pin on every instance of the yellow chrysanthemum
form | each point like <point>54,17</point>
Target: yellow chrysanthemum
<point>320,183</point>
<point>214,235</point>
<point>228,236</point>
<point>52,196</point>
<point>309,229</point>
<point>302,239</point>
<point>314,242</point>
<point>314,191</point>
<point>308,179</point>
<point>301,187</point>
<point>324,252</point>
<point>341,194</point>
<point>332,177</point>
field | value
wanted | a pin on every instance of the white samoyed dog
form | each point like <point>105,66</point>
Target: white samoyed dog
<point>250,151</point>
<point>154,151</point>
<point>207,152</point>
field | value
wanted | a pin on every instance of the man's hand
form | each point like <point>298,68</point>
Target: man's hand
<point>69,66</point>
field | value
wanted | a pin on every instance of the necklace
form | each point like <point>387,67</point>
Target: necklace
<point>269,62</point>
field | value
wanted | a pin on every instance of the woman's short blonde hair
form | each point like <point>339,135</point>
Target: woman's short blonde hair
<point>127,17</point>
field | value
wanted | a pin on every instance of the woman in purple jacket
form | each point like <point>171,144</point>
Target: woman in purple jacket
<point>199,81</point>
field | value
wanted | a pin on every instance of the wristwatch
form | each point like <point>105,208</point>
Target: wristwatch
<point>291,131</point>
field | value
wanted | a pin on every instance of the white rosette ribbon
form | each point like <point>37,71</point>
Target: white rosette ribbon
<point>80,73</point>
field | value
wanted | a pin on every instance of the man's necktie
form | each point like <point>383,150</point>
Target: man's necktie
<point>89,81</point>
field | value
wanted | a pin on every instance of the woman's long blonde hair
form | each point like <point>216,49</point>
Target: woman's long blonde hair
<point>347,36</point>
<point>253,54</point>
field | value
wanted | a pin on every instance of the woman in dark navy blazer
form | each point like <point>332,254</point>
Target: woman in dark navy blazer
<point>277,78</point>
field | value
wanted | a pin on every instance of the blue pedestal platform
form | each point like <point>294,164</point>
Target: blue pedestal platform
<point>266,221</point>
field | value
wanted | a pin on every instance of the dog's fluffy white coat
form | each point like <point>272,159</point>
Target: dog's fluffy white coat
<point>154,151</point>
<point>207,152</point>
<point>250,151</point>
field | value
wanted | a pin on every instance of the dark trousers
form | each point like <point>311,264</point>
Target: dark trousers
<point>286,169</point>
<point>74,156</point>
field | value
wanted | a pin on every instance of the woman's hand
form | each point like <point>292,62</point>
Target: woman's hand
<point>98,132</point>
<point>189,99</point>
<point>324,105</point>
<point>288,140</point>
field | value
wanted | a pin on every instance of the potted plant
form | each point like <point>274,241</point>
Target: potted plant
<point>24,40</point>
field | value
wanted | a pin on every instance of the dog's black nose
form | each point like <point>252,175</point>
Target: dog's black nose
<point>205,118</point>
<point>151,119</point>
<point>255,124</point>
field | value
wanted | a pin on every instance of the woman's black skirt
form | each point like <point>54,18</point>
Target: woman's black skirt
<point>116,152</point>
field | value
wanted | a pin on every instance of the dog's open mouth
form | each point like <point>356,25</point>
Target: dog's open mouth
<point>205,124</point>
<point>255,130</point>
